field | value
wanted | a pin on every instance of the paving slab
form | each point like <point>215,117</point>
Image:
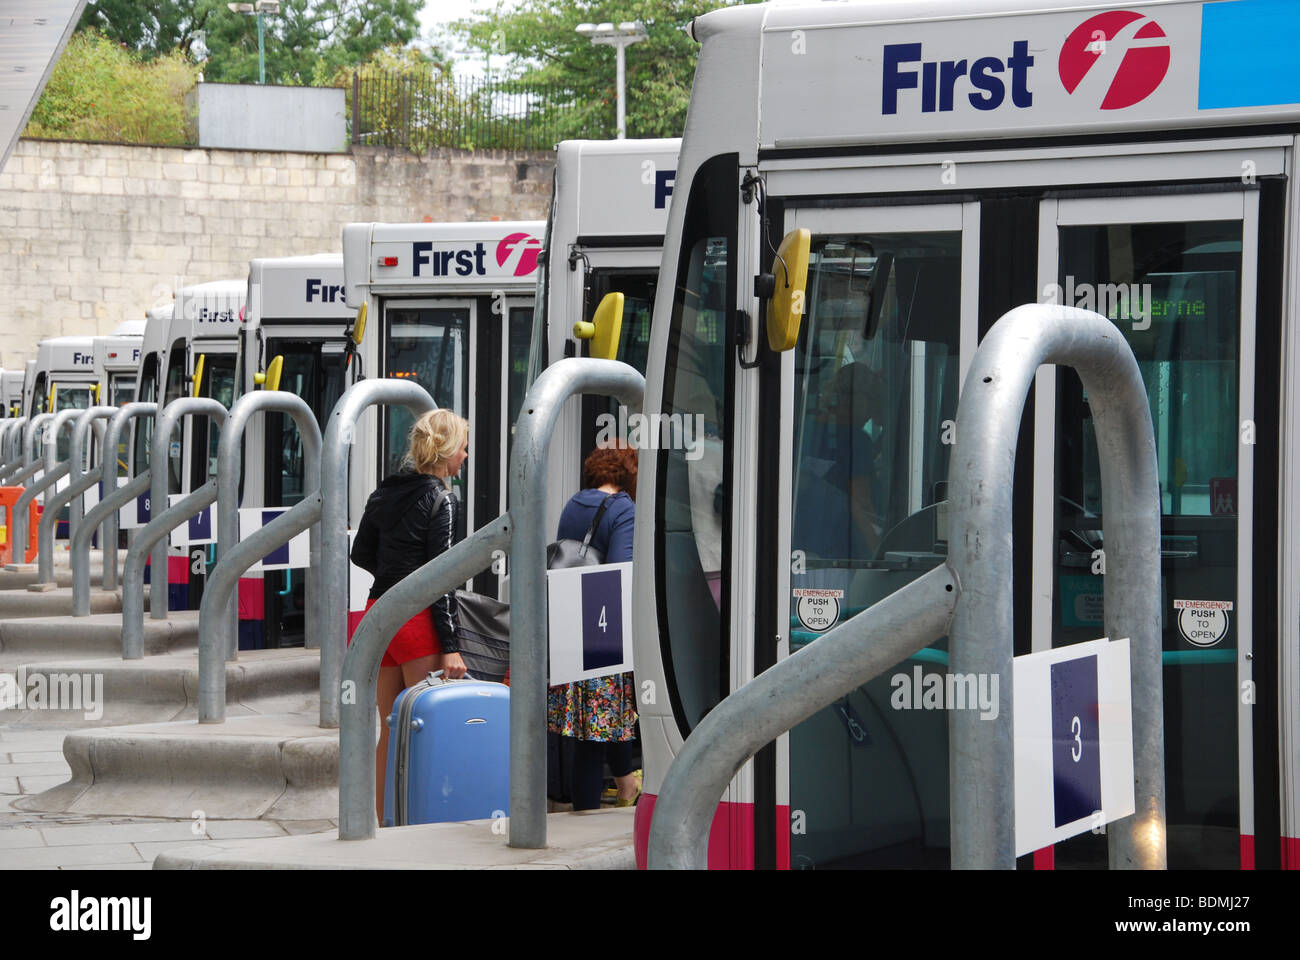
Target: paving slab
<point>163,688</point>
<point>592,840</point>
<point>35,857</point>
<point>38,638</point>
<point>277,767</point>
<point>88,833</point>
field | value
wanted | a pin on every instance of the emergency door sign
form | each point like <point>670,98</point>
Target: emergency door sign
<point>590,621</point>
<point>1073,719</point>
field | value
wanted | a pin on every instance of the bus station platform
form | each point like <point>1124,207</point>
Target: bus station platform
<point>593,840</point>
<point>25,640</point>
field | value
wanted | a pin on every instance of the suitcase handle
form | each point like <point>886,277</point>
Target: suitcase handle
<point>437,675</point>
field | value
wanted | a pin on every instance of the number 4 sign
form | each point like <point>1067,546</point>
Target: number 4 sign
<point>1073,741</point>
<point>590,621</point>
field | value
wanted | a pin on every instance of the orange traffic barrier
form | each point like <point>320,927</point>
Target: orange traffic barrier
<point>8,497</point>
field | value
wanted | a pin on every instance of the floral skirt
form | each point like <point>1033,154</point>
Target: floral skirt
<point>602,709</point>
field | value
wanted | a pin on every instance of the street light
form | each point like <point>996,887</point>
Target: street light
<point>260,7</point>
<point>619,37</point>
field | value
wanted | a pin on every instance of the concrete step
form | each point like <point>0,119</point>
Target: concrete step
<point>58,602</point>
<point>30,640</point>
<point>277,767</point>
<point>18,576</point>
<point>162,688</point>
<point>592,840</point>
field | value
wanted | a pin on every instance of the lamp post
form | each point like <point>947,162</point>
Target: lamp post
<point>260,8</point>
<point>619,37</point>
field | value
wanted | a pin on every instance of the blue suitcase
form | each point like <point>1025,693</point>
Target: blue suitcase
<point>448,752</point>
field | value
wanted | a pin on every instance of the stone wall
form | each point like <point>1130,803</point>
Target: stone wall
<point>93,234</point>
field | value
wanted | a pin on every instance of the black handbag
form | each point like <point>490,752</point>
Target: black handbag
<point>484,635</point>
<point>563,554</point>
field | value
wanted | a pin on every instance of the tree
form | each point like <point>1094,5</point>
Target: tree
<point>306,39</point>
<point>567,70</point>
<point>100,90</point>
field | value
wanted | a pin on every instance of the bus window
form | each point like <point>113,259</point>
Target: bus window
<point>69,398</point>
<point>175,389</point>
<point>121,390</point>
<point>143,426</point>
<point>692,528</point>
<point>870,463</point>
<point>520,331</point>
<point>1174,291</point>
<point>40,395</point>
<point>219,374</point>
<point>430,346</point>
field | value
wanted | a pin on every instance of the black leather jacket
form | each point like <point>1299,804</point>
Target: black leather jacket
<point>409,520</point>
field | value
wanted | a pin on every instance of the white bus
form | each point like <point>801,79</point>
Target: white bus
<point>196,336</point>
<point>604,235</point>
<point>117,363</point>
<point>296,312</point>
<point>450,306</point>
<point>951,163</point>
<point>11,392</point>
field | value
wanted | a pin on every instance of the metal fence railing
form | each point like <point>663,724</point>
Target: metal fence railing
<point>425,111</point>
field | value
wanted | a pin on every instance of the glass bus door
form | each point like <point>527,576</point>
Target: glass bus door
<point>889,326</point>
<point>1176,274</point>
<point>315,370</point>
<point>429,342</point>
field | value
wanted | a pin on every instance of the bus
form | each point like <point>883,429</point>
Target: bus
<point>604,234</point>
<point>11,392</point>
<point>195,335</point>
<point>449,306</point>
<point>117,363</point>
<point>296,312</point>
<point>951,163</point>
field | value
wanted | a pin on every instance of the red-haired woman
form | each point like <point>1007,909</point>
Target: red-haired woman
<point>600,714</point>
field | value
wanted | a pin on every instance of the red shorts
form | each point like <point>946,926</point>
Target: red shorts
<point>417,638</point>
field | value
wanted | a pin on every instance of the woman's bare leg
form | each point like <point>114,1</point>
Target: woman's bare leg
<point>390,685</point>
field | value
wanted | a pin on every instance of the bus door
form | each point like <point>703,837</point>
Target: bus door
<point>638,289</point>
<point>1177,275</point>
<point>429,341</point>
<point>314,369</point>
<point>888,330</point>
<point>203,436</point>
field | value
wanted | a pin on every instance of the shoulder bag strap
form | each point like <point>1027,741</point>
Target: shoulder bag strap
<point>595,522</point>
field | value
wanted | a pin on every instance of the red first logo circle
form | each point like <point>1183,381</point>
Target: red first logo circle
<point>517,253</point>
<point>1138,42</point>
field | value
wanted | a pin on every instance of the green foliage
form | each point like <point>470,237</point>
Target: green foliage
<point>576,78</point>
<point>100,90</point>
<point>306,39</point>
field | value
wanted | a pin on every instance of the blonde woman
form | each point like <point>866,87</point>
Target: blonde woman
<point>409,520</point>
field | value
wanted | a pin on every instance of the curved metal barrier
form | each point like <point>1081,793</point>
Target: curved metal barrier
<point>331,599</point>
<point>523,530</point>
<point>30,466</point>
<point>357,732</point>
<point>153,536</point>
<point>218,621</point>
<point>978,571</point>
<point>81,482</point>
<point>105,513</point>
<point>11,450</point>
<point>52,473</point>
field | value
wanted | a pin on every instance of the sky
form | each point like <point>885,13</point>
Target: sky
<point>437,13</point>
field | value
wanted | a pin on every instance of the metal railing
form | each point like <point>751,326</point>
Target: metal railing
<point>51,473</point>
<point>105,512</point>
<point>331,599</point>
<point>218,620</point>
<point>977,575</point>
<point>81,481</point>
<point>163,519</point>
<point>427,110</point>
<point>523,530</point>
